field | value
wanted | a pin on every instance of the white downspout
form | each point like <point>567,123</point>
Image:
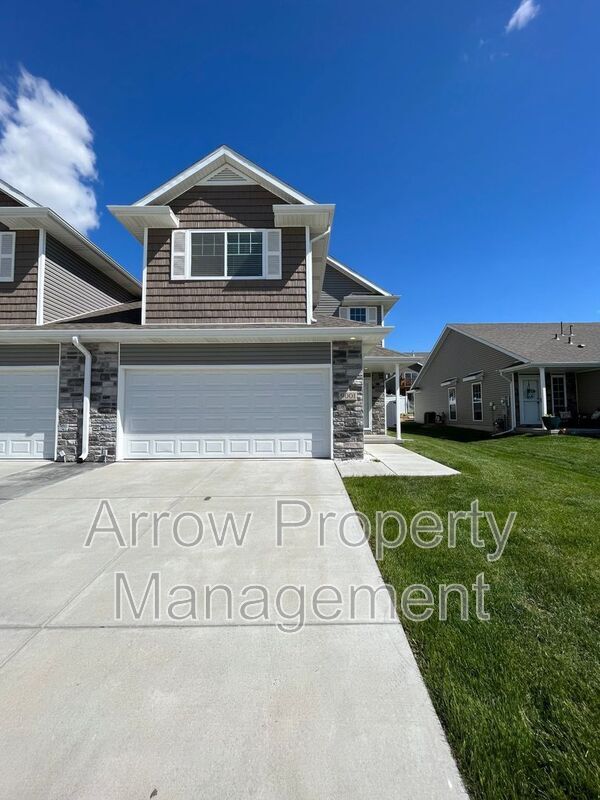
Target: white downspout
<point>309,291</point>
<point>87,385</point>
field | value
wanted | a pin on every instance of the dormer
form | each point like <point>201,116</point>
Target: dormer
<point>227,242</point>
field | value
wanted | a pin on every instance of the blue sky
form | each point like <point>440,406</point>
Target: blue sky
<point>463,158</point>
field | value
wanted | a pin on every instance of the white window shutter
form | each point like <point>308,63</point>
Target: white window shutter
<point>178,254</point>
<point>372,315</point>
<point>344,312</point>
<point>7,256</point>
<point>273,245</point>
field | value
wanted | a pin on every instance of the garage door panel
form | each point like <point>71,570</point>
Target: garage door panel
<point>245,413</point>
<point>28,413</point>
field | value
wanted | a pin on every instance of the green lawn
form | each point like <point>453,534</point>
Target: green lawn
<point>519,695</point>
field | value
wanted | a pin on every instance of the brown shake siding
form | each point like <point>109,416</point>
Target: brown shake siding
<point>18,299</point>
<point>7,201</point>
<point>225,301</point>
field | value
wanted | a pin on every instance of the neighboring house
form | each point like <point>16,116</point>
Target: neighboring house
<point>245,340</point>
<point>507,375</point>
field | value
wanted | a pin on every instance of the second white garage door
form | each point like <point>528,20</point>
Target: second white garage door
<point>261,412</point>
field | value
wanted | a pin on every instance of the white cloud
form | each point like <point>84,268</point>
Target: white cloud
<point>46,150</point>
<point>527,10</point>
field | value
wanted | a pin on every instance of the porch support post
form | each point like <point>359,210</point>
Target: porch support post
<point>398,423</point>
<point>513,402</point>
<point>543,391</point>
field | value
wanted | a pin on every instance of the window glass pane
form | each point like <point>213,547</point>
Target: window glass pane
<point>477,403</point>
<point>358,314</point>
<point>208,255</point>
<point>452,404</point>
<point>558,394</point>
<point>244,255</point>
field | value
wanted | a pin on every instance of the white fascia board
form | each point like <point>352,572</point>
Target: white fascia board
<point>387,361</point>
<point>370,300</point>
<point>171,335</point>
<point>317,216</point>
<point>17,195</point>
<point>137,219</point>
<point>222,155</point>
<point>35,217</point>
<point>359,278</point>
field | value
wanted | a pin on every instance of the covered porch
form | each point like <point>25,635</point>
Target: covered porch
<point>569,392</point>
<point>379,364</point>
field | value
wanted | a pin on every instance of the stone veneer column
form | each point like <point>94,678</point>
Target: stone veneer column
<point>348,415</point>
<point>378,422</point>
<point>103,401</point>
<point>70,401</point>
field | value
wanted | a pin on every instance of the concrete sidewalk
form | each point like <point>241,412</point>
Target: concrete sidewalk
<point>99,707</point>
<point>392,459</point>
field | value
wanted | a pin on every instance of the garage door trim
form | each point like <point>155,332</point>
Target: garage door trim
<point>179,368</point>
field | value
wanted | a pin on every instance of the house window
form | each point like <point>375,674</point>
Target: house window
<point>358,314</point>
<point>213,255</point>
<point>363,314</point>
<point>7,256</point>
<point>477,400</point>
<point>559,394</point>
<point>452,404</point>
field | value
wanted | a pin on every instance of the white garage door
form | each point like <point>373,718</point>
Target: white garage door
<point>28,412</point>
<point>226,413</point>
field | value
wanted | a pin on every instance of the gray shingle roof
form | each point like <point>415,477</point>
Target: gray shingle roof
<point>535,341</point>
<point>128,315</point>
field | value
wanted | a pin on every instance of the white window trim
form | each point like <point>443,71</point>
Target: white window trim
<point>188,256</point>
<point>564,380</point>
<point>473,401</point>
<point>13,236</point>
<point>450,405</point>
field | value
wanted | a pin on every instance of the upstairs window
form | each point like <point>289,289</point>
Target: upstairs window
<point>366,314</point>
<point>224,255</point>
<point>358,314</point>
<point>7,256</point>
<point>477,398</point>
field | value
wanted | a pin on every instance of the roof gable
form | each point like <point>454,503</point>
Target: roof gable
<point>19,198</point>
<point>359,279</point>
<point>224,162</point>
<point>539,342</point>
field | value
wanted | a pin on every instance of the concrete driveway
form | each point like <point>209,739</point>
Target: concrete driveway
<point>181,703</point>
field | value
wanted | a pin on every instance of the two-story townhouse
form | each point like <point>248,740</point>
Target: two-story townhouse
<point>247,339</point>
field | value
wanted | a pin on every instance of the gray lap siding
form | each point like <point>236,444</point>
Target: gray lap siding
<point>226,301</point>
<point>457,357</point>
<point>72,286</point>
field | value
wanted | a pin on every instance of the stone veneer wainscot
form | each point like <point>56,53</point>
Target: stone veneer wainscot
<point>348,414</point>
